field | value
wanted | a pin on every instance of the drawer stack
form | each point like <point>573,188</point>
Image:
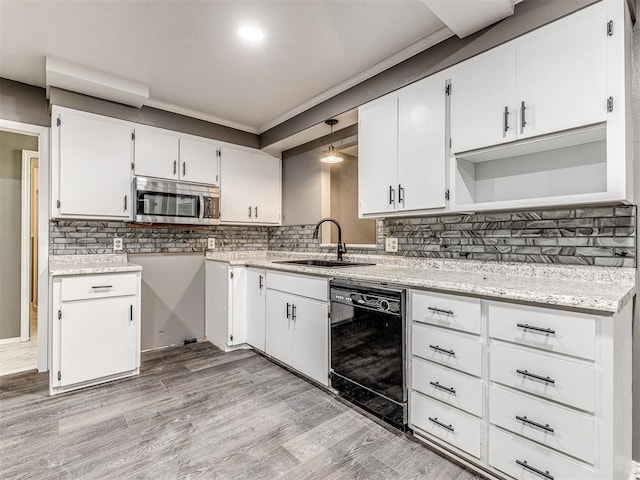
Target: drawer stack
<point>542,394</point>
<point>446,398</point>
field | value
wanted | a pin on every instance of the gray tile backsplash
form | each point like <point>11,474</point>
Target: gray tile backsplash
<point>586,236</point>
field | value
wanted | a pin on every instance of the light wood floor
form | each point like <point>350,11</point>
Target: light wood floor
<point>195,412</point>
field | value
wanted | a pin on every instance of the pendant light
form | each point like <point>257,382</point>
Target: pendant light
<point>331,156</point>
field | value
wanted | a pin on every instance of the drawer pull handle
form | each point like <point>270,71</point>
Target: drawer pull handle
<point>440,424</point>
<point>442,350</point>
<point>523,463</point>
<point>288,310</point>
<point>546,427</point>
<point>536,377</point>
<point>526,326</point>
<point>440,310</point>
<point>102,286</point>
<point>442,387</point>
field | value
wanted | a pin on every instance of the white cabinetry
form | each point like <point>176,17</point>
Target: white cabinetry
<point>297,323</point>
<point>250,187</point>
<point>95,329</point>
<point>91,166</point>
<point>234,305</point>
<point>522,391</point>
<point>166,154</point>
<point>402,150</point>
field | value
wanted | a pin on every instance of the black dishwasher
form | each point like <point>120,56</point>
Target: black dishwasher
<point>368,348</point>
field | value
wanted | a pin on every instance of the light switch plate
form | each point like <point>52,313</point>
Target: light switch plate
<point>211,243</point>
<point>117,244</point>
<point>391,244</point>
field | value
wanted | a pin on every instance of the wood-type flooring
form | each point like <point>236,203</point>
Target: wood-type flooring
<point>196,412</point>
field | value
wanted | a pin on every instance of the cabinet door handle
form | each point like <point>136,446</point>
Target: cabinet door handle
<point>400,194</point>
<point>440,424</point>
<point>102,286</point>
<point>450,390</point>
<point>392,195</point>
<point>288,310</point>
<point>255,211</point>
<point>184,169</point>
<point>442,350</point>
<point>175,166</point>
<point>544,474</point>
<point>440,310</point>
<point>505,120</point>
<point>125,203</point>
<point>293,312</point>
<point>524,419</point>
<point>249,211</point>
<point>260,282</point>
<point>536,377</point>
<point>523,122</point>
<point>130,313</point>
<point>526,326</point>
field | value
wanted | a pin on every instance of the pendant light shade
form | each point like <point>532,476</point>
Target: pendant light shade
<point>331,156</point>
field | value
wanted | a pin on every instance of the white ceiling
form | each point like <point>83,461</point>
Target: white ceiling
<point>189,54</point>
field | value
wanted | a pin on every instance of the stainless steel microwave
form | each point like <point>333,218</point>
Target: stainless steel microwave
<point>159,201</point>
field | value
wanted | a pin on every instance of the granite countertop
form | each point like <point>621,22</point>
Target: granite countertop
<point>604,290</point>
<point>90,264</point>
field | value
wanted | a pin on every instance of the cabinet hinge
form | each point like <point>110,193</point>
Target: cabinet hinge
<point>133,136</point>
<point>59,375</point>
<point>59,314</point>
<point>57,203</point>
<point>216,178</point>
<point>58,121</point>
<point>610,28</point>
<point>231,274</point>
<point>219,153</point>
<point>447,89</point>
<point>610,104</point>
<point>133,166</point>
<point>449,142</point>
<point>446,195</point>
<point>231,337</point>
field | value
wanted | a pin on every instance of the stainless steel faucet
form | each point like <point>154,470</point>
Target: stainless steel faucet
<point>341,246</point>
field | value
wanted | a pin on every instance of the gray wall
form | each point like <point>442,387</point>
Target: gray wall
<point>635,102</point>
<point>172,298</point>
<point>11,146</point>
<point>302,189</point>
<point>24,103</point>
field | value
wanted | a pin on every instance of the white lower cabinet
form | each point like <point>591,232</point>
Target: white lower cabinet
<point>256,307</point>
<point>538,393</point>
<point>95,329</point>
<point>297,327</point>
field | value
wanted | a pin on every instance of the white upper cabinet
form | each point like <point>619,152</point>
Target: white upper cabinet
<point>156,153</point>
<point>165,154</point>
<point>250,187</point>
<point>402,150</point>
<point>562,74</point>
<point>91,166</point>
<point>549,80</point>
<point>483,92</point>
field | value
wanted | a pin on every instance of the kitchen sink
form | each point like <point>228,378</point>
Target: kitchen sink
<point>324,263</point>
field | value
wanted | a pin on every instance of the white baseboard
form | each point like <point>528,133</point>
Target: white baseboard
<point>7,341</point>
<point>635,471</point>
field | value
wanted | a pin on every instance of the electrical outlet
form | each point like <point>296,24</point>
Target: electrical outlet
<point>211,243</point>
<point>117,244</point>
<point>390,244</point>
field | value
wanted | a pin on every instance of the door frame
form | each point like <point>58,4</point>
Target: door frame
<point>25,245</point>
<point>44,141</point>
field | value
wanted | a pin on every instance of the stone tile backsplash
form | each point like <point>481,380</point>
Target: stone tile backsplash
<point>586,236</point>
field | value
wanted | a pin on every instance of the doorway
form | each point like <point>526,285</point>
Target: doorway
<point>19,202</point>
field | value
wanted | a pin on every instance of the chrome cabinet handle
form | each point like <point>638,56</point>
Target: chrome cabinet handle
<point>400,194</point>
<point>288,310</point>
<point>442,387</point>
<point>184,169</point>
<point>440,310</point>
<point>392,195</point>
<point>249,211</point>
<point>440,424</point>
<point>260,282</point>
<point>130,313</point>
<point>293,312</point>
<point>175,166</point>
<point>545,474</point>
<point>524,419</point>
<point>125,203</point>
<point>523,122</point>
<point>526,326</point>
<point>442,350</point>
<point>536,377</point>
<point>255,210</point>
<point>102,286</point>
<point>505,127</point>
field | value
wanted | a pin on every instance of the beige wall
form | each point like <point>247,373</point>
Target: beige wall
<point>11,146</point>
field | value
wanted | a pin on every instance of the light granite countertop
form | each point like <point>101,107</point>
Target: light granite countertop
<point>90,264</point>
<point>604,290</point>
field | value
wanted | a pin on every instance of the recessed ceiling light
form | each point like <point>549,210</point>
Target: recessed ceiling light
<point>251,33</point>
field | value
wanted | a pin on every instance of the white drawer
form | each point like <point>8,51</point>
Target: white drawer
<point>553,330</point>
<point>458,313</point>
<point>568,381</point>
<point>449,386</point>
<point>86,287</point>
<point>557,427</point>
<point>506,450</point>
<point>453,426</point>
<point>456,350</point>
<point>303,285</point>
